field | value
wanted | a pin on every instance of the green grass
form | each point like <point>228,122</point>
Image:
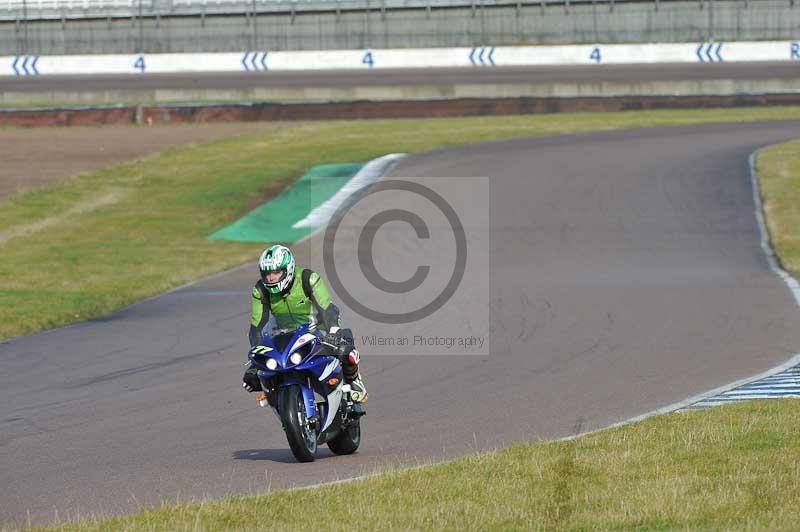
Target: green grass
<point>778,169</point>
<point>100,241</point>
<point>97,242</point>
<point>735,467</point>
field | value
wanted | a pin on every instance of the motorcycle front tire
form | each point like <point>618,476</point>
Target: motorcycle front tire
<point>301,435</point>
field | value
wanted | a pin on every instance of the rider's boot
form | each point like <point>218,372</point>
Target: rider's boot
<point>358,392</point>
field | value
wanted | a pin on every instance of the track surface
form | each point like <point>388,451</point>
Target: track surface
<point>627,275</point>
<point>402,77</point>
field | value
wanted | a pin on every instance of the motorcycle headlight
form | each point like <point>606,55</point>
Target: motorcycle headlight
<point>271,364</point>
<point>296,358</point>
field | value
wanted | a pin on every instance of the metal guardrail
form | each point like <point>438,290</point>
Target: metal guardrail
<point>30,10</point>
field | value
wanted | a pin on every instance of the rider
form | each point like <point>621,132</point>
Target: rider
<point>295,296</point>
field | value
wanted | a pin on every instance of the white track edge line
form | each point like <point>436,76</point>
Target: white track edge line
<point>766,244</point>
<point>774,265</point>
<point>790,281</point>
<point>663,410</point>
<point>367,175</point>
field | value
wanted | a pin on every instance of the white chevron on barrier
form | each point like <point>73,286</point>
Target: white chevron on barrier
<point>262,62</point>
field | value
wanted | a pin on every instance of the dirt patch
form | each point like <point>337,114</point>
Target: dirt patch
<point>37,157</point>
<point>42,155</point>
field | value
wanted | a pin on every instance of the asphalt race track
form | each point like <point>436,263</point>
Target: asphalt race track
<point>403,77</point>
<point>626,275</point>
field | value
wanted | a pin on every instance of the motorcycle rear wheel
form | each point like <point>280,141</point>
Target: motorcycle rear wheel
<point>348,440</point>
<point>300,432</point>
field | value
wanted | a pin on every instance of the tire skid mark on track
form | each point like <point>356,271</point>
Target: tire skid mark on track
<point>141,369</point>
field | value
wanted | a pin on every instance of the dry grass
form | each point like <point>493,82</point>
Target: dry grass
<point>98,259</point>
<point>778,169</point>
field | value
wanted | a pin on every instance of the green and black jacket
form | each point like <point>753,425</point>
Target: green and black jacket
<point>306,301</point>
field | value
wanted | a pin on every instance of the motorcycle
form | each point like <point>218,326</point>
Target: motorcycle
<point>302,381</point>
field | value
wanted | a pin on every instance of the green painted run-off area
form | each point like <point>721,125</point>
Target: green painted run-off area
<point>274,220</point>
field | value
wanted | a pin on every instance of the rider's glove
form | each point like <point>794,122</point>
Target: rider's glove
<point>333,337</point>
<point>250,380</point>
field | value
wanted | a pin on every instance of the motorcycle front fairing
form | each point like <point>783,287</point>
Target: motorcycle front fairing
<point>316,372</point>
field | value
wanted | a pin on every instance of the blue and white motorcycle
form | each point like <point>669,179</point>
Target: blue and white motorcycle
<point>304,384</point>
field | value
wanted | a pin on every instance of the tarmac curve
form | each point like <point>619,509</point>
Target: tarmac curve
<point>626,274</point>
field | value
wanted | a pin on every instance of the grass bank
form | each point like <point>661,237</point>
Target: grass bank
<point>97,242</point>
<point>778,169</point>
<point>730,468</point>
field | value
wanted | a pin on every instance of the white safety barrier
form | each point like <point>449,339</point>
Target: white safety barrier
<point>482,57</point>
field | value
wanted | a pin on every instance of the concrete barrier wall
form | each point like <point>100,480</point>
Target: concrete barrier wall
<point>477,57</point>
<point>527,23</point>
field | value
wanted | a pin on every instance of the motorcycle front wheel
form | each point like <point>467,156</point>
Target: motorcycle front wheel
<point>300,431</point>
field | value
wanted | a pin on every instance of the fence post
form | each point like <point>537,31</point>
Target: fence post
<point>483,25</point>
<point>25,45</point>
<point>710,20</point>
<point>368,32</point>
<point>255,26</point>
<point>141,28</point>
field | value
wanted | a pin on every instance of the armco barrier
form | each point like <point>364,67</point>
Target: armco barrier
<point>264,61</point>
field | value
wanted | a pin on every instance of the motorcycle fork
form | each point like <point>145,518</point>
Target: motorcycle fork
<point>308,396</point>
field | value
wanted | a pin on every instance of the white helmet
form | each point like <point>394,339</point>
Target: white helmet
<point>277,258</point>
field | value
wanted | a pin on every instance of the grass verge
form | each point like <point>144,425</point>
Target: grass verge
<point>735,467</point>
<point>97,242</point>
<point>778,169</point>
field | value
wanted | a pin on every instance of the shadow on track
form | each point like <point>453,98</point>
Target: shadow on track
<point>283,456</point>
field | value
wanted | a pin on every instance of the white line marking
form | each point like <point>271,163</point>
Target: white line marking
<point>709,398</point>
<point>712,397</point>
<point>369,174</point>
<point>764,393</point>
<point>766,245</point>
<point>712,394</point>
